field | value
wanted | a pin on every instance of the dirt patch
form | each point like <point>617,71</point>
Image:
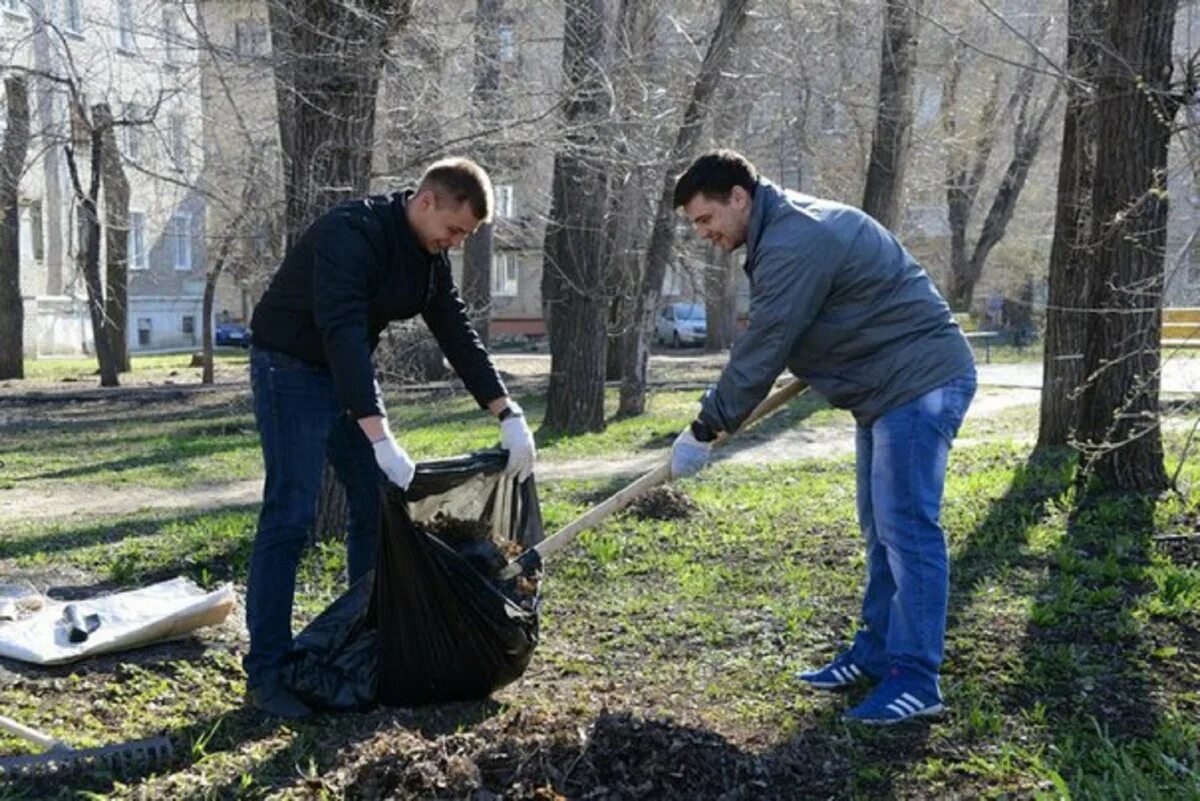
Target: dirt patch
<point>663,503</point>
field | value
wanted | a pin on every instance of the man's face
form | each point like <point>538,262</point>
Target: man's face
<point>721,222</point>
<point>441,226</point>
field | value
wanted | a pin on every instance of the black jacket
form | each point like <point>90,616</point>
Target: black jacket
<point>357,268</point>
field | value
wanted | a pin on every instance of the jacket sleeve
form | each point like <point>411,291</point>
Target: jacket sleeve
<point>788,287</point>
<point>341,291</point>
<point>446,316</point>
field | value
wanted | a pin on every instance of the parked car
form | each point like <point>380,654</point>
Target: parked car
<point>232,335</point>
<point>680,324</point>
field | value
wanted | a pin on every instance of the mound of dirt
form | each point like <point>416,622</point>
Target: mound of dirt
<point>663,503</point>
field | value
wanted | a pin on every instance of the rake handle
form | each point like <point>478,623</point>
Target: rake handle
<point>32,735</point>
<point>622,498</point>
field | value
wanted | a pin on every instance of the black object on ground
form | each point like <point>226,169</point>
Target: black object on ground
<point>432,624</point>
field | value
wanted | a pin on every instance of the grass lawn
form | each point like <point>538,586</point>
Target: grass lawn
<point>668,645</point>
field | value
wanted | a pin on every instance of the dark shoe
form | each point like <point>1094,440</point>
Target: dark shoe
<point>277,701</point>
<point>837,675</point>
<point>899,698</point>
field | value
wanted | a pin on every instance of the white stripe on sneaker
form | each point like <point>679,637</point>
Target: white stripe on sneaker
<point>856,671</point>
<point>912,700</point>
<point>837,674</point>
<point>901,712</point>
<point>905,705</point>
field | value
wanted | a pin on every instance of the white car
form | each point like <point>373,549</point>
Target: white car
<point>681,324</point>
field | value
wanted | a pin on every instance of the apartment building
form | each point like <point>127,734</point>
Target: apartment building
<point>139,58</point>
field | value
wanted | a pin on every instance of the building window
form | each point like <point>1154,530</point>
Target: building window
<point>125,40</point>
<point>73,15</point>
<point>170,35</point>
<point>504,275</point>
<point>37,245</point>
<point>179,234</point>
<point>250,38</point>
<point>508,43</point>
<point>504,200</point>
<point>188,324</point>
<point>143,329</point>
<point>178,142</point>
<point>133,132</point>
<point>137,241</point>
<point>1193,275</point>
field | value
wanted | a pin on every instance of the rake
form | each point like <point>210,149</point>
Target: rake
<point>60,759</point>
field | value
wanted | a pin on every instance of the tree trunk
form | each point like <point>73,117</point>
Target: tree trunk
<point>1070,252</point>
<point>116,238</point>
<point>720,302</point>
<point>327,62</point>
<point>573,271</point>
<point>206,314</point>
<point>893,121</point>
<point>477,279</point>
<point>88,258</point>
<point>1119,419</point>
<point>12,162</point>
<point>662,236</point>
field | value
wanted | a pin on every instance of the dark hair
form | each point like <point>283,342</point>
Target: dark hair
<point>714,175</point>
<point>457,181</point>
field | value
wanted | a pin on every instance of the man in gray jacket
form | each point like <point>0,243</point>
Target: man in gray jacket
<point>837,300</point>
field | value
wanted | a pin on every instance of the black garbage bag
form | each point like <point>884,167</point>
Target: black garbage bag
<point>431,624</point>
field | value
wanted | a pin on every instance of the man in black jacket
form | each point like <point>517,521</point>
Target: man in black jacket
<point>358,267</point>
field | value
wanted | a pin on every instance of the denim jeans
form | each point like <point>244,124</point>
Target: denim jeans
<point>901,467</point>
<point>300,423</point>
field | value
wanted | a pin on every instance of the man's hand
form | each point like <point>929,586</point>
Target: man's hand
<point>393,461</point>
<point>688,454</point>
<point>517,439</point>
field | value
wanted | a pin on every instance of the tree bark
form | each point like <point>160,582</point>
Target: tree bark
<point>1070,251</point>
<point>893,122</point>
<point>12,162</point>
<point>116,238</point>
<point>573,271</point>
<point>1119,419</point>
<point>477,279</point>
<point>662,237</point>
<point>720,302</point>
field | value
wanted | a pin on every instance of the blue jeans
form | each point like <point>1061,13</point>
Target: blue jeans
<point>901,474</point>
<point>300,423</point>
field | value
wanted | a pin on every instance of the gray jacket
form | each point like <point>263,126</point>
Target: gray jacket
<point>837,300</point>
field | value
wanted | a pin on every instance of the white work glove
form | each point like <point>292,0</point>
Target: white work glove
<point>393,461</point>
<point>517,439</point>
<point>688,454</point>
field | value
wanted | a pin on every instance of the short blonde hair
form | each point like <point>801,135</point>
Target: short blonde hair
<point>459,180</point>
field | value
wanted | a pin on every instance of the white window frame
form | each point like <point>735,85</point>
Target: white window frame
<point>15,7</point>
<point>250,37</point>
<point>179,229</point>
<point>505,206</point>
<point>136,255</point>
<point>506,275</point>
<point>507,50</point>
<point>72,16</point>
<point>126,41</point>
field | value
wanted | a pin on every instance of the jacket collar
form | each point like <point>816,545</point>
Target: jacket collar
<point>766,197</point>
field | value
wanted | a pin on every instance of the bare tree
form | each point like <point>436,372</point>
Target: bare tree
<point>720,302</point>
<point>116,238</point>
<point>1063,372</point>
<point>720,48</point>
<point>12,163</point>
<point>1119,423</point>
<point>893,122</point>
<point>967,166</point>
<point>573,275</point>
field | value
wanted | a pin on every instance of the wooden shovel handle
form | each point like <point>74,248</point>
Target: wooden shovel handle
<point>659,475</point>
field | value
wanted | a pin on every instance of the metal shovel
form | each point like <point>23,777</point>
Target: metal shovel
<point>59,758</point>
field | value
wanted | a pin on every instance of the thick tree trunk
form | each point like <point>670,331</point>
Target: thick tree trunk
<point>1070,252</point>
<point>1119,418</point>
<point>893,122</point>
<point>116,238</point>
<point>662,237</point>
<point>574,269</point>
<point>12,161</point>
<point>206,325</point>
<point>720,302</point>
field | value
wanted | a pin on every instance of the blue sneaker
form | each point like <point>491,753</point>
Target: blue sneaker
<point>840,673</point>
<point>897,699</point>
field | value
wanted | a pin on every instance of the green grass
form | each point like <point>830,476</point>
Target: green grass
<point>156,366</point>
<point>1071,648</point>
